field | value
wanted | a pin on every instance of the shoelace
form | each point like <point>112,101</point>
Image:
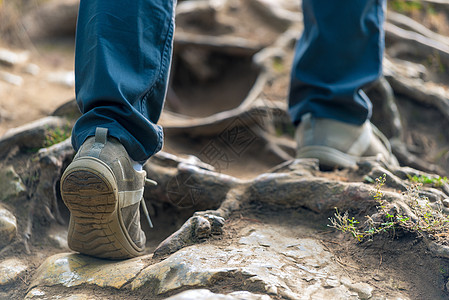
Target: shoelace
<point>144,206</point>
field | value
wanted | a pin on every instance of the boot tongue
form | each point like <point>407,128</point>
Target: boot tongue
<point>362,143</point>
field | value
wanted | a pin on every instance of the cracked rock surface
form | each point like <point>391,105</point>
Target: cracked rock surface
<point>270,261</point>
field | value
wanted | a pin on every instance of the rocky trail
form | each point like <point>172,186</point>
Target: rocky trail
<point>235,215</point>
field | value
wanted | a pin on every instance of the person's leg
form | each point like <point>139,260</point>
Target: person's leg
<point>123,52</point>
<point>122,60</point>
<point>339,52</point>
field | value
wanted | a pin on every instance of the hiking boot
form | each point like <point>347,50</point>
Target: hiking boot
<point>103,193</point>
<point>338,144</point>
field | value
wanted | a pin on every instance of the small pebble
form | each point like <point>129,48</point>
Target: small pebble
<point>10,58</point>
<point>35,293</point>
<point>11,78</point>
<point>65,78</point>
<point>32,69</point>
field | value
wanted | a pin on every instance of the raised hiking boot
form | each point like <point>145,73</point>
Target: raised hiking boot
<point>103,193</point>
<point>338,144</point>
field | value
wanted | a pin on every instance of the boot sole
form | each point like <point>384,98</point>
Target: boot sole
<point>328,157</point>
<point>89,190</point>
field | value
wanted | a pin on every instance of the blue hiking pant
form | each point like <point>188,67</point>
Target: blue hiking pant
<point>340,51</point>
<point>122,60</point>
<point>123,53</point>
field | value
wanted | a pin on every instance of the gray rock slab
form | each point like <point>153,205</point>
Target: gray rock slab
<point>69,269</point>
<point>263,263</point>
<point>11,186</point>
<point>204,294</point>
<point>10,270</point>
<point>37,293</point>
<point>266,261</point>
<point>8,227</point>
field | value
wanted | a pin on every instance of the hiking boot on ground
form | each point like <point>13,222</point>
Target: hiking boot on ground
<point>337,144</point>
<point>103,193</point>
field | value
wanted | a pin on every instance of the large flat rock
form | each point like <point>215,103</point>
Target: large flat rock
<point>261,263</point>
<point>68,269</point>
<point>264,261</point>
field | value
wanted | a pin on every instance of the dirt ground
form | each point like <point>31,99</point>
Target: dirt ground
<point>37,97</point>
<point>391,264</point>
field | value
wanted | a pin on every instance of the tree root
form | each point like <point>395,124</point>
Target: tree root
<point>195,230</point>
<point>416,44</point>
<point>406,158</point>
<point>51,163</point>
<point>31,135</point>
<point>230,45</point>
<point>409,24</point>
<point>293,185</point>
<point>44,197</point>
